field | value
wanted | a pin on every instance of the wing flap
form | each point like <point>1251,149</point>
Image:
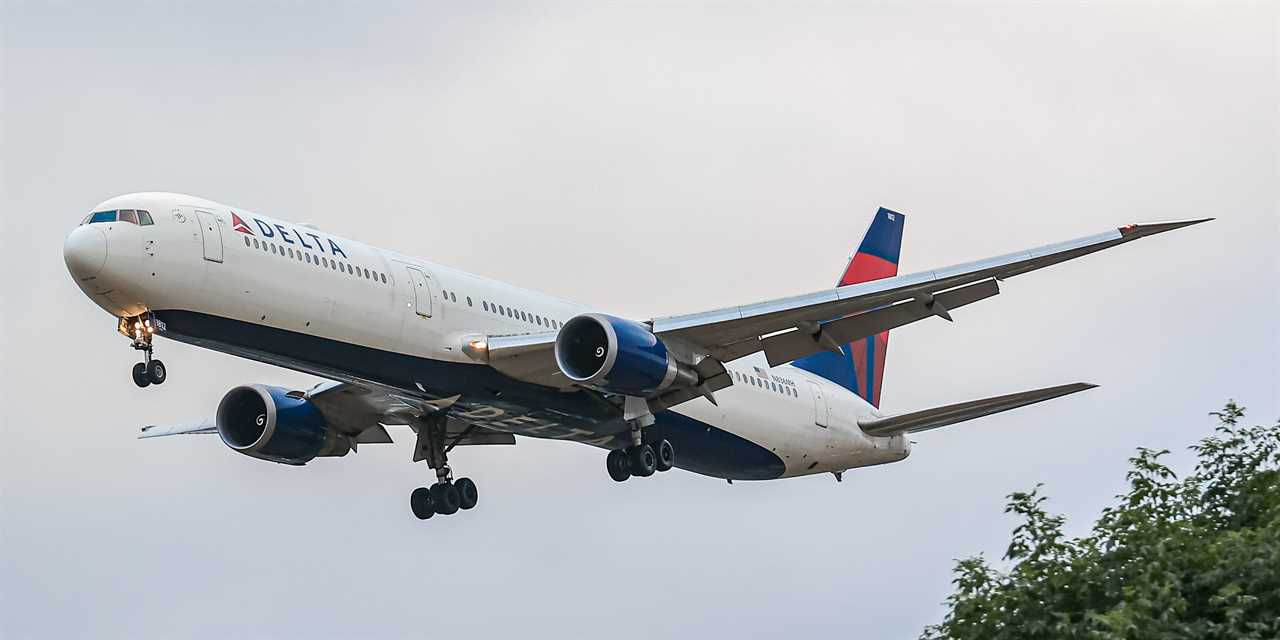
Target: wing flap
<point>953,413</point>
<point>798,343</point>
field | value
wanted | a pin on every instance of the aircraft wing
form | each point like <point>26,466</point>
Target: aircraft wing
<point>953,413</point>
<point>797,326</point>
<point>361,411</point>
<point>156,431</point>
<point>787,329</point>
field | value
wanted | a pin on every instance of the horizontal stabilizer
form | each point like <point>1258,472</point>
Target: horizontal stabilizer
<point>953,413</point>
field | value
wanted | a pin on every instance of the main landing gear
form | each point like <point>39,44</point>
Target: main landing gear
<point>640,460</point>
<point>151,370</point>
<point>447,495</point>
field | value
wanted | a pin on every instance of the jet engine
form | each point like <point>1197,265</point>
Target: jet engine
<point>269,423</point>
<point>617,355</point>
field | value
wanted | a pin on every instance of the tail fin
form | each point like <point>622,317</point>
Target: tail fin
<point>861,368</point>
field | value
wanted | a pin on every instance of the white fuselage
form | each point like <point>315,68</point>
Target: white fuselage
<point>212,264</point>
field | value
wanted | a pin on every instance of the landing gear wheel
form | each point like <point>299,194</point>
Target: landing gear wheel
<point>422,504</point>
<point>642,461</point>
<point>666,455</point>
<point>446,498</point>
<point>468,495</point>
<point>616,463</point>
<point>156,372</point>
<point>140,376</point>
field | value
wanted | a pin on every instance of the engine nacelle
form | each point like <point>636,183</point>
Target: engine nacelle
<point>265,422</point>
<point>617,355</point>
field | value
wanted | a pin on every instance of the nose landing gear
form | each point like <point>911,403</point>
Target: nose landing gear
<point>141,329</point>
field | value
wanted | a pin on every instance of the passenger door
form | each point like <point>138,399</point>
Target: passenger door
<point>421,283</point>
<point>821,413</point>
<point>211,232</point>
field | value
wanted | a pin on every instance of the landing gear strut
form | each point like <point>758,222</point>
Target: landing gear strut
<point>447,495</point>
<point>151,370</point>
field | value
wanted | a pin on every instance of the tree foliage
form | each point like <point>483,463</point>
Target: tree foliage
<point>1193,557</point>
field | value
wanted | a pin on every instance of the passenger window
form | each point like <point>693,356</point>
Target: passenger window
<point>246,241</point>
<point>127,215</point>
<point>144,218</point>
<point>382,277</point>
<point>484,304</point>
<point>291,253</point>
<point>366,274</point>
<point>469,302</point>
<point>273,249</point>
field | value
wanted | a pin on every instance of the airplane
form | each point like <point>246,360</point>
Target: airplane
<point>764,390</point>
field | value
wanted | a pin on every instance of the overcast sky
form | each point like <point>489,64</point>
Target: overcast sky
<point>651,159</point>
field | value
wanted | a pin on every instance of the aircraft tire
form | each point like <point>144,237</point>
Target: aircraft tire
<point>446,497</point>
<point>156,372</point>
<point>642,461</point>
<point>468,495</point>
<point>616,463</point>
<point>421,503</point>
<point>140,376</point>
<point>666,455</point>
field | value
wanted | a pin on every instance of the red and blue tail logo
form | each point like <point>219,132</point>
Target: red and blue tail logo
<point>861,368</point>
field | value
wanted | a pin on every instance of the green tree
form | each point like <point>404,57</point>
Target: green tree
<point>1193,557</point>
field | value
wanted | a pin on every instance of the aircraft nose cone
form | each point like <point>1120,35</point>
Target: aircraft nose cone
<point>85,251</point>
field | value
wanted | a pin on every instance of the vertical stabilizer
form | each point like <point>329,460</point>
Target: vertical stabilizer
<point>861,368</point>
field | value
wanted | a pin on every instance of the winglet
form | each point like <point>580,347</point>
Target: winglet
<point>1141,229</point>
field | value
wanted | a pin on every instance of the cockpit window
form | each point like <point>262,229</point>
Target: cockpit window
<point>134,216</point>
